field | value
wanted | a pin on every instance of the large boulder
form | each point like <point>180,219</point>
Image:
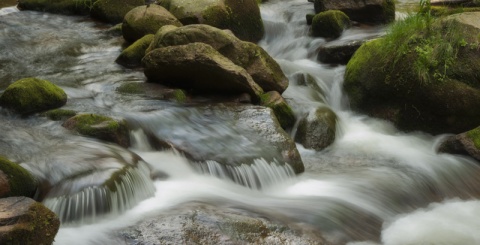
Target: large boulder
<point>370,11</point>
<point>264,70</point>
<point>57,6</point>
<point>317,129</point>
<point>146,19</point>
<point>30,95</point>
<point>198,67</point>
<point>100,127</point>
<point>133,54</point>
<point>24,222</point>
<point>241,17</point>
<point>113,11</point>
<point>338,53</point>
<point>419,78</point>
<point>15,180</point>
<point>330,24</point>
<point>467,143</point>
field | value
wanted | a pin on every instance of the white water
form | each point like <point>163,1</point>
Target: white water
<point>391,179</point>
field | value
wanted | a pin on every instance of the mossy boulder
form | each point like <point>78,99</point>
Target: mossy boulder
<point>422,76</point>
<point>59,114</point>
<point>113,11</point>
<point>26,222</point>
<point>317,129</point>
<point>280,108</point>
<point>264,70</point>
<point>467,143</point>
<point>371,11</point>
<point>57,6</point>
<point>30,95</point>
<point>241,17</point>
<point>146,19</point>
<point>15,180</point>
<point>330,24</point>
<point>199,68</point>
<point>100,127</point>
<point>133,54</point>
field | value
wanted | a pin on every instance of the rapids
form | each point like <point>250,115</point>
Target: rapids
<point>374,185</point>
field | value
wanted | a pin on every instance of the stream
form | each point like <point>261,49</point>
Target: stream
<point>373,185</point>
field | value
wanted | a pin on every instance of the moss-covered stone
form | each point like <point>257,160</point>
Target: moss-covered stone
<point>330,24</point>
<point>100,127</point>
<point>113,11</point>
<point>60,114</point>
<point>30,95</point>
<point>146,19</point>
<point>26,222</point>
<point>372,11</point>
<point>422,75</point>
<point>317,129</point>
<point>17,182</point>
<point>280,108</point>
<point>474,136</point>
<point>132,56</point>
<point>57,6</point>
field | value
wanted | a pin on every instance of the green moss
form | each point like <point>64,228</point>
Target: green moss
<point>132,56</point>
<point>59,114</point>
<point>389,11</point>
<point>281,109</point>
<point>21,182</point>
<point>116,177</point>
<point>474,135</point>
<point>330,24</point>
<point>179,95</point>
<point>131,88</point>
<point>31,95</point>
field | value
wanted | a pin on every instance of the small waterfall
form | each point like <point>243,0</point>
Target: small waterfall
<point>256,176</point>
<point>126,188</point>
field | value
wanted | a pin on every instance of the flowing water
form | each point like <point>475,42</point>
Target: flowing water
<point>374,185</point>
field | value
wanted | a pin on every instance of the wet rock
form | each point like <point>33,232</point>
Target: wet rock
<point>372,11</point>
<point>467,143</point>
<point>146,19</point>
<point>100,127</point>
<point>282,110</point>
<point>59,6</point>
<point>317,129</point>
<point>133,54</point>
<point>330,24</point>
<point>242,18</point>
<point>30,95</point>
<point>206,224</point>
<point>15,180</point>
<point>200,68</point>
<point>264,70</point>
<point>59,114</point>
<point>153,91</point>
<point>24,221</point>
<point>338,53</point>
<point>113,11</point>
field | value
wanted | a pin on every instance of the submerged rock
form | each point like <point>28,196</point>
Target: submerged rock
<point>330,24</point>
<point>15,180</point>
<point>59,114</point>
<point>24,221</point>
<point>100,127</point>
<point>146,19</point>
<point>317,129</point>
<point>113,11</point>
<point>133,54</point>
<point>264,70</point>
<point>241,17</point>
<point>371,11</point>
<point>30,95</point>
<point>200,68</point>
<point>153,91</point>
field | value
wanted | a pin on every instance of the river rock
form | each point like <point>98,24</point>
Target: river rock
<point>317,129</point>
<point>59,6</point>
<point>100,127</point>
<point>15,180</point>
<point>330,24</point>
<point>444,99</point>
<point>369,11</point>
<point>201,223</point>
<point>264,70</point>
<point>153,91</point>
<point>59,114</point>
<point>113,11</point>
<point>30,95</point>
<point>282,110</point>
<point>146,19</point>
<point>467,143</point>
<point>242,18</point>
<point>24,221</point>
<point>133,54</point>
<point>338,53</point>
<point>198,67</point>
